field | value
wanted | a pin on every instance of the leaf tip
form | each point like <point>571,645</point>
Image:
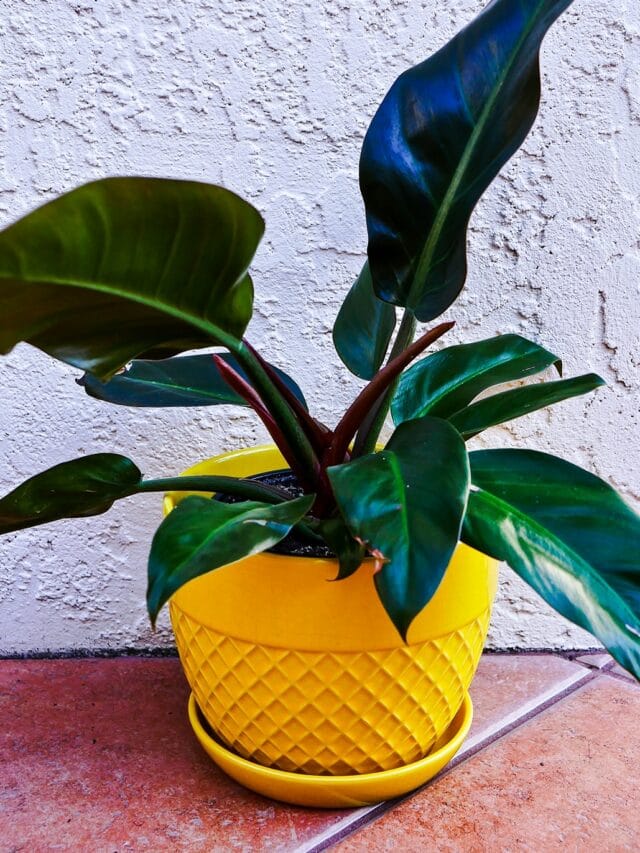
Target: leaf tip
<point>402,623</point>
<point>154,606</point>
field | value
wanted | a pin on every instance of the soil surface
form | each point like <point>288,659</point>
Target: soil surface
<point>294,544</point>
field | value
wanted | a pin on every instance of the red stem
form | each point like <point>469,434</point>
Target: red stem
<point>318,434</point>
<point>238,384</point>
<point>357,411</point>
<point>250,396</point>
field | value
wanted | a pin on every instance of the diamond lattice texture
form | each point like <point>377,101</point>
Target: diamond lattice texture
<point>332,713</point>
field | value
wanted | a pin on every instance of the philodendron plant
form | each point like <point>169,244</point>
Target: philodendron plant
<point>121,275</point>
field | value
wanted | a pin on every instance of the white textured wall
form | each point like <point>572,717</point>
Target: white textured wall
<point>272,99</point>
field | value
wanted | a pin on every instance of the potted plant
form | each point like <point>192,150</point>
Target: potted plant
<point>316,691</point>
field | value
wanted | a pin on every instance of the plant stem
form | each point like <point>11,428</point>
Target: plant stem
<point>280,411</point>
<point>235,381</point>
<point>246,489</point>
<point>318,434</point>
<point>372,425</point>
<point>405,335</point>
<point>371,394</point>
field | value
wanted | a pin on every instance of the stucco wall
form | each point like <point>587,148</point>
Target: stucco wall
<point>272,100</point>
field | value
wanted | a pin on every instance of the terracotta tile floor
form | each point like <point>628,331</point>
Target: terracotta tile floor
<point>97,755</point>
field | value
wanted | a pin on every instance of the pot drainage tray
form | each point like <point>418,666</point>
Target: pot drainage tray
<point>334,791</point>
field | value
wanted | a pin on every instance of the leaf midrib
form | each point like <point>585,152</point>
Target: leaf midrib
<point>399,480</point>
<point>217,334</point>
<point>590,497</point>
<point>576,386</point>
<point>178,389</point>
<point>426,256</point>
<point>471,377</point>
<point>219,532</point>
<point>509,509</point>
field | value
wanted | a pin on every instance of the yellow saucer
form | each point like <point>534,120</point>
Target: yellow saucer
<point>334,791</point>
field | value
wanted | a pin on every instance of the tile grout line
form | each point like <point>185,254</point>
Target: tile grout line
<point>514,721</point>
<point>617,676</point>
<point>171,652</point>
<point>368,814</point>
<point>521,715</point>
<point>604,668</point>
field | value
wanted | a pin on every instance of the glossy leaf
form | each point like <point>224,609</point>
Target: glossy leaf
<point>128,266</point>
<point>82,487</point>
<point>440,136</point>
<point>363,328</point>
<point>568,534</point>
<point>190,380</point>
<point>201,535</point>
<point>445,382</point>
<point>90,486</point>
<point>406,503</point>
<point>520,401</point>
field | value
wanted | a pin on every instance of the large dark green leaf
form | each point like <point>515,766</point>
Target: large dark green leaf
<point>87,486</point>
<point>445,382</point>
<point>363,327</point>
<point>568,534</point>
<point>127,266</point>
<point>201,535</point>
<point>440,136</point>
<point>190,380</point>
<point>520,401</point>
<point>407,503</point>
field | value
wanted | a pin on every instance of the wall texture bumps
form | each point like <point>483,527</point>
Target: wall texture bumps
<point>272,100</point>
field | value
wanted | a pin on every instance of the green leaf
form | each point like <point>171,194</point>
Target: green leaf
<point>82,487</point>
<point>349,551</point>
<point>90,485</point>
<point>201,535</point>
<point>568,534</point>
<point>445,382</point>
<point>363,327</point>
<point>440,136</point>
<point>406,503</point>
<point>520,401</point>
<point>128,266</point>
<point>190,380</point>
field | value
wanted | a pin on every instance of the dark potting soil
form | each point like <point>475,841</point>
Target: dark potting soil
<point>294,545</point>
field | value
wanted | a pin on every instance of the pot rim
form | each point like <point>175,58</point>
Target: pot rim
<point>287,602</point>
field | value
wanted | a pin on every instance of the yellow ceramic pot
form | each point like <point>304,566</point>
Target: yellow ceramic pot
<point>299,673</point>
